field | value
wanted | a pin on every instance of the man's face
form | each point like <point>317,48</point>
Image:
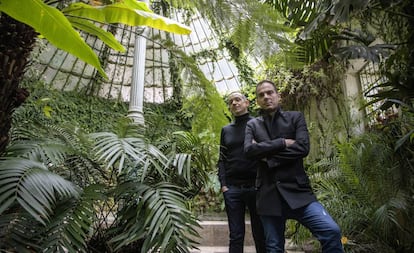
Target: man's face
<point>238,104</point>
<point>267,97</point>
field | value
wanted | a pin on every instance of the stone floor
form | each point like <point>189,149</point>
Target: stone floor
<point>214,238</point>
<point>222,249</point>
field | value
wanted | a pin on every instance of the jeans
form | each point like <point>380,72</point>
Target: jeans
<point>314,217</point>
<point>236,199</point>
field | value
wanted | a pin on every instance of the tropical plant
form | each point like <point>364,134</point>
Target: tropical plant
<point>67,189</point>
<point>82,16</point>
<point>348,29</point>
<point>323,26</point>
<point>367,187</point>
<point>199,98</point>
<point>167,126</point>
<point>21,21</point>
<point>246,29</point>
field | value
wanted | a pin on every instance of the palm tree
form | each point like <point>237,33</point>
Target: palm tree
<point>76,192</point>
<point>22,21</point>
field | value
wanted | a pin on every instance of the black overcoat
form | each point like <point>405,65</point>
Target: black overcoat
<point>281,172</point>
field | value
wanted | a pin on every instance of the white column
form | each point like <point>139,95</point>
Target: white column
<point>353,93</point>
<point>136,102</point>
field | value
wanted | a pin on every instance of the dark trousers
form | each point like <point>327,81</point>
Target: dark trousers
<point>236,200</point>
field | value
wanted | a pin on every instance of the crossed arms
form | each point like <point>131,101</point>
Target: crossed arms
<point>291,145</point>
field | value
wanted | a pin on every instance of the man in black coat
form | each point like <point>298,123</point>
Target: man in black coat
<point>237,176</point>
<point>279,141</point>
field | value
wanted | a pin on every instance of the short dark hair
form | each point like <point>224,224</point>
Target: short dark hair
<point>266,81</point>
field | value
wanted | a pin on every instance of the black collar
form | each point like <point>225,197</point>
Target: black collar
<point>273,114</point>
<point>241,118</point>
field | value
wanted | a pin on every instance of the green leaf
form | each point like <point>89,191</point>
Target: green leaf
<point>107,37</point>
<point>34,188</point>
<point>53,25</point>
<point>137,5</point>
<point>47,110</point>
<point>124,13</point>
<point>403,139</point>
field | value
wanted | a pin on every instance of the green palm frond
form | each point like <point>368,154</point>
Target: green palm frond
<point>189,164</point>
<point>260,23</point>
<point>66,231</point>
<point>310,45</point>
<point>201,159</point>
<point>324,29</point>
<point>167,225</point>
<point>69,229</point>
<point>251,27</point>
<point>64,148</point>
<point>187,161</point>
<point>83,171</point>
<point>64,137</point>
<point>122,151</point>
<point>32,186</point>
<point>332,13</point>
<point>363,187</point>
<point>47,151</point>
<point>375,53</point>
<point>297,12</point>
<point>387,218</point>
<point>180,162</point>
<point>18,232</point>
<point>337,190</point>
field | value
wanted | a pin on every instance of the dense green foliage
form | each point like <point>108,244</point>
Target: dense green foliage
<point>367,183</point>
<point>367,187</point>
<point>79,160</point>
<point>92,114</point>
<point>329,35</point>
<point>67,175</point>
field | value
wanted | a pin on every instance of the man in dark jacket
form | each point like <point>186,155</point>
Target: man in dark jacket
<point>279,141</point>
<point>237,177</point>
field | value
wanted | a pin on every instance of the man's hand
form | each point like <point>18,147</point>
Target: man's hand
<point>224,188</point>
<point>289,142</point>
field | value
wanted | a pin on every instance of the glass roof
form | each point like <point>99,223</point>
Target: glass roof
<point>66,72</point>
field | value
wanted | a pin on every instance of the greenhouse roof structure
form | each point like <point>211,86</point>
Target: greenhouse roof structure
<point>66,72</point>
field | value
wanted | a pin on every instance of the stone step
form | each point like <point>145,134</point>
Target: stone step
<point>221,249</point>
<point>216,233</point>
<point>214,238</point>
<point>247,249</point>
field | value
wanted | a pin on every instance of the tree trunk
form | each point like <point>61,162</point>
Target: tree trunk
<point>16,43</point>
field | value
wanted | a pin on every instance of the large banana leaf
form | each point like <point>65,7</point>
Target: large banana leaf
<point>53,25</point>
<point>89,27</point>
<point>57,28</point>
<point>129,12</point>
